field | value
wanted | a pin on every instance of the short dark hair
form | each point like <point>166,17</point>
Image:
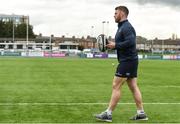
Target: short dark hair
<point>123,8</point>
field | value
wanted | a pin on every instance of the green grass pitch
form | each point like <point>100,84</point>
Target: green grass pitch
<point>51,90</point>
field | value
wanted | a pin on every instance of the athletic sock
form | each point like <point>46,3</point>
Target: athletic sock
<point>109,112</point>
<point>140,112</point>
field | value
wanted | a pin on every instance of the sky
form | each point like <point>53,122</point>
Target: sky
<point>150,18</point>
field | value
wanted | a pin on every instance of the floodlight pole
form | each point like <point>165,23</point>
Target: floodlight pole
<point>107,33</point>
<point>162,47</point>
<point>144,46</point>
<point>50,47</point>
<point>27,34</point>
<point>13,28</point>
<point>103,22</point>
<point>92,31</point>
<point>152,47</point>
<point>27,30</point>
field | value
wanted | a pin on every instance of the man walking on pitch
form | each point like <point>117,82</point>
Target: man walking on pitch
<point>125,44</point>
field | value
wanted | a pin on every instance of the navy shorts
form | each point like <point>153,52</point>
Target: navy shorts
<point>127,69</point>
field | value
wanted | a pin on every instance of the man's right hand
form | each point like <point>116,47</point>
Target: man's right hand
<point>110,45</point>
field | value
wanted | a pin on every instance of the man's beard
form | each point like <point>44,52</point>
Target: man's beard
<point>117,20</point>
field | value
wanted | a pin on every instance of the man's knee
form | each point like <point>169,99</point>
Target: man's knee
<point>132,83</point>
<point>117,83</point>
<point>115,86</point>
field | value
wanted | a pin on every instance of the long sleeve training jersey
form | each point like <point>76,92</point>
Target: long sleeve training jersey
<point>125,42</point>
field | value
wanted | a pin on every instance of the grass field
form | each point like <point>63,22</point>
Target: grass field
<point>50,90</point>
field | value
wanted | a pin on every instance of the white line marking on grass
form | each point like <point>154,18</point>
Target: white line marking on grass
<point>89,123</point>
<point>171,86</point>
<point>77,104</point>
<point>163,86</point>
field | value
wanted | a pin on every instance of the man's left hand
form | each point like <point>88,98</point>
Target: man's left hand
<point>110,45</point>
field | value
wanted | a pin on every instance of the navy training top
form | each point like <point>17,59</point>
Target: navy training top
<point>125,42</point>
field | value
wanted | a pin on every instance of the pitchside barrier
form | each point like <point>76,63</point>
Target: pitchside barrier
<point>9,53</point>
<point>82,55</point>
<point>54,54</point>
<point>152,57</point>
<point>32,54</point>
<point>158,57</point>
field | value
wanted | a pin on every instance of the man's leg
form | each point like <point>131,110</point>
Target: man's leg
<point>116,92</point>
<point>116,89</point>
<point>132,83</point>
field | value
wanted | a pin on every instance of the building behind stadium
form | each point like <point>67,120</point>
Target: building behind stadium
<point>74,44</point>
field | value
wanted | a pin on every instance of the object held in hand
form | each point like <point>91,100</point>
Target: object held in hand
<point>102,41</point>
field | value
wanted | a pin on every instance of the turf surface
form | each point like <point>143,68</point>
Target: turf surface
<point>62,81</point>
